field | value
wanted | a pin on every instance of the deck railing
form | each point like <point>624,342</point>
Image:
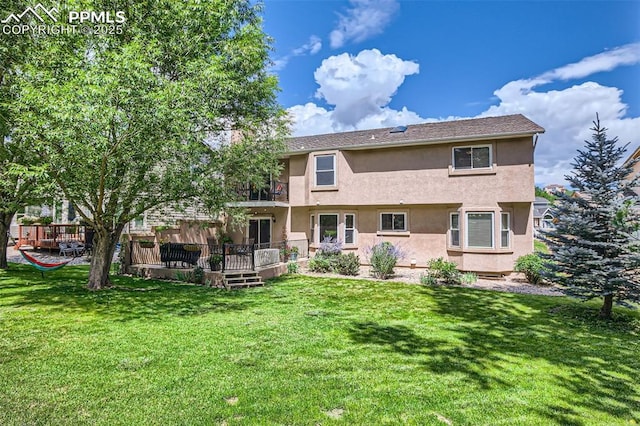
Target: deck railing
<point>49,236</point>
<point>227,257</point>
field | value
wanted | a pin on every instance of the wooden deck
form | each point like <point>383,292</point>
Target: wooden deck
<point>49,236</point>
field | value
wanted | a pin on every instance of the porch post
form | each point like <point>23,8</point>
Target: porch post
<point>224,257</point>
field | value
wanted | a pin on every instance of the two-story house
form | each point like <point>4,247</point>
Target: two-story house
<point>462,190</point>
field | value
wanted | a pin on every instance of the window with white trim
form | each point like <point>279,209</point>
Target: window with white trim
<point>138,222</point>
<point>349,228</point>
<point>472,157</point>
<point>325,170</point>
<point>312,226</point>
<point>454,230</point>
<point>394,222</point>
<point>505,229</point>
<point>479,227</point>
<point>328,226</point>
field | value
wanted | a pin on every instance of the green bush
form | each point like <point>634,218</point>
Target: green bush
<point>468,278</point>
<point>344,264</point>
<point>444,270</point>
<point>198,275</point>
<point>532,266</point>
<point>428,279</point>
<point>347,264</point>
<point>320,263</point>
<point>383,258</point>
<point>292,268</point>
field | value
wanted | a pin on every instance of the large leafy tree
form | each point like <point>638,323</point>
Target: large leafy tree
<point>22,178</point>
<point>594,251</point>
<point>127,122</point>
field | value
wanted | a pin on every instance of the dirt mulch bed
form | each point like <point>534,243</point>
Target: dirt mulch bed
<point>514,283</point>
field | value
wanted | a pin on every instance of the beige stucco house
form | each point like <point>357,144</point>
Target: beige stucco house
<point>635,156</point>
<point>462,190</point>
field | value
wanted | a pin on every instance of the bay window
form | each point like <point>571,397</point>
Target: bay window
<point>328,227</point>
<point>479,227</point>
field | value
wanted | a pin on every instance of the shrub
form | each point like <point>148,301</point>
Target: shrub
<point>292,268</point>
<point>383,258</point>
<point>468,278</point>
<point>532,266</point>
<point>428,279</point>
<point>330,247</point>
<point>320,263</point>
<point>347,264</point>
<point>198,275</point>
<point>444,270</point>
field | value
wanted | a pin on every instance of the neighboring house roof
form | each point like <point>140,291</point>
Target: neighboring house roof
<point>418,134</point>
<point>540,211</point>
<point>540,207</point>
<point>633,156</point>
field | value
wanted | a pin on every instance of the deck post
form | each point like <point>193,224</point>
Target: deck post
<point>224,257</point>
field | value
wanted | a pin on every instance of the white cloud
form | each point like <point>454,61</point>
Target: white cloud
<point>567,114</point>
<point>311,47</point>
<point>310,119</point>
<point>605,61</point>
<point>365,19</point>
<point>360,87</point>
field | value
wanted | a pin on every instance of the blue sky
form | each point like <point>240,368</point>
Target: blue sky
<point>358,64</point>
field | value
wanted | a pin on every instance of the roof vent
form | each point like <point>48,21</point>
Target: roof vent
<point>398,129</point>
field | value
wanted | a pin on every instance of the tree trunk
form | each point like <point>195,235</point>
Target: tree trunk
<point>607,307</point>
<point>5,224</point>
<point>104,245</point>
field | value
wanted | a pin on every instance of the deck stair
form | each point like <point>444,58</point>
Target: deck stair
<point>241,279</point>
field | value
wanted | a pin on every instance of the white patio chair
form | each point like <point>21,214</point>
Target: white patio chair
<point>65,249</point>
<point>78,248</point>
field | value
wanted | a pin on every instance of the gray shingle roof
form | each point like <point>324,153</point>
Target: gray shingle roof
<point>417,134</point>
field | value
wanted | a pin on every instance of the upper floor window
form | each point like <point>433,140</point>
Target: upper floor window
<point>393,222</point>
<point>325,170</point>
<point>472,157</point>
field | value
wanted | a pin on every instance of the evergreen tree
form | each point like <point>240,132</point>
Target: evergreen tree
<point>594,251</point>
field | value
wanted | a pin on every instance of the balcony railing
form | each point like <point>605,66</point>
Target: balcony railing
<point>274,191</point>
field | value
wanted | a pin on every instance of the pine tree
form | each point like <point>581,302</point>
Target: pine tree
<point>595,251</point>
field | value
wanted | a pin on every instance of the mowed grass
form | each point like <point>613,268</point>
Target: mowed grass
<point>307,351</point>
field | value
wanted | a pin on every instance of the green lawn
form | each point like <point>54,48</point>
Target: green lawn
<point>307,351</point>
